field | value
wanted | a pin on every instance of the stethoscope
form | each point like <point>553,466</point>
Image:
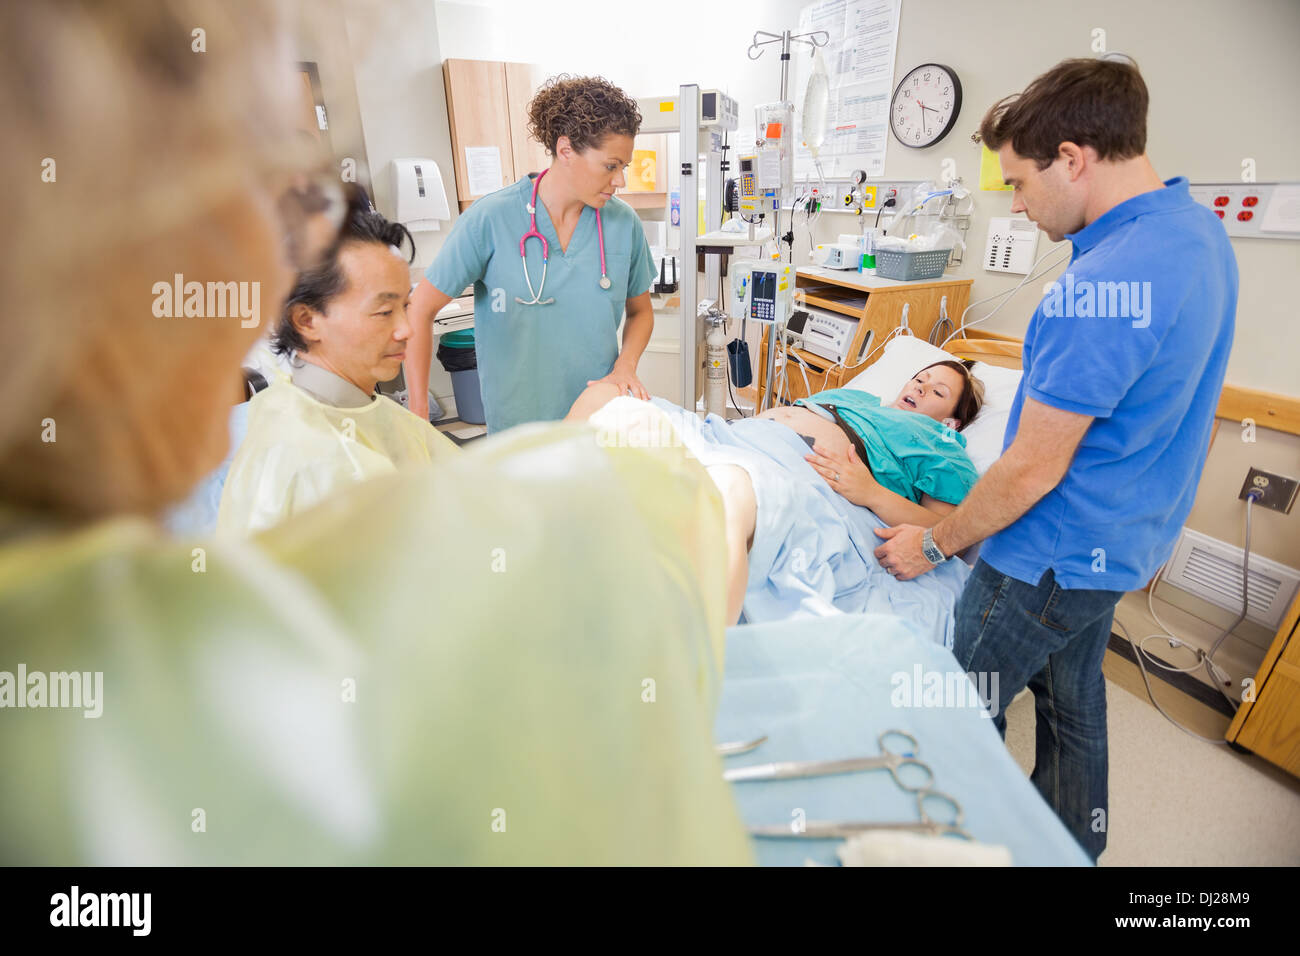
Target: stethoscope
<point>532,232</point>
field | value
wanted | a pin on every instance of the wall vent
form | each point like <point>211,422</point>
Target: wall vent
<point>1211,569</point>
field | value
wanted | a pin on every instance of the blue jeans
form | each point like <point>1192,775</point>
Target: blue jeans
<point>1051,640</point>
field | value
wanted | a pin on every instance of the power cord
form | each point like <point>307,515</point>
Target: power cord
<point>722,305</point>
<point>943,325</point>
<point>1205,659</point>
<point>891,201</point>
<point>963,325</point>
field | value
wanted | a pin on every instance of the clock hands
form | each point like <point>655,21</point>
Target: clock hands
<point>910,97</point>
<point>924,124</point>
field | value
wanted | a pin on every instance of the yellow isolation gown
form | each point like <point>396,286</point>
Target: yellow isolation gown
<point>509,657</point>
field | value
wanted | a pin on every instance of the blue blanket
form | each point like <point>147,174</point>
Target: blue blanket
<point>812,552</point>
<point>827,690</point>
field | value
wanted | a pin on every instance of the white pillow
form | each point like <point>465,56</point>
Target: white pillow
<point>905,355</point>
<point>984,436</point>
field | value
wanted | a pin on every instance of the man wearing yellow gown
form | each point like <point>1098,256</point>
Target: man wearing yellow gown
<point>509,656</point>
<point>345,330</point>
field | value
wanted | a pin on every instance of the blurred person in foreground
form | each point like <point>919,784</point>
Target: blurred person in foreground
<point>417,671</point>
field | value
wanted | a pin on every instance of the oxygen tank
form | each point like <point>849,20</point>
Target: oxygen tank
<point>715,367</point>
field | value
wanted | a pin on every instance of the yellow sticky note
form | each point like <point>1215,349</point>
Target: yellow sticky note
<point>991,170</point>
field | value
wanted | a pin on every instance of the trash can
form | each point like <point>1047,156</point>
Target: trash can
<point>457,355</point>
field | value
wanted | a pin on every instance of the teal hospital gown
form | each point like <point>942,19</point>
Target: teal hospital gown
<point>910,454</point>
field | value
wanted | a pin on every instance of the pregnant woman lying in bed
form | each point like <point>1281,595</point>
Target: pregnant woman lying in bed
<point>804,487</point>
<point>903,460</point>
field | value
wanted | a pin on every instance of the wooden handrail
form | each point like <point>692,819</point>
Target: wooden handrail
<point>1267,409</point>
<point>1236,403</point>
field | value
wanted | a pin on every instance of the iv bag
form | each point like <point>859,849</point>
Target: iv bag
<point>816,104</point>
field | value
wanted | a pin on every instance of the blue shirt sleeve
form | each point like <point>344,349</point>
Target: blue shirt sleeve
<point>642,272</point>
<point>1086,365</point>
<point>463,259</point>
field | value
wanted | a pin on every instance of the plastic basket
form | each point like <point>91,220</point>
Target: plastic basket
<point>911,265</point>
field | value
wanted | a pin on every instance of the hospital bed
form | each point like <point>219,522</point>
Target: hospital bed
<point>812,553</point>
<point>826,688</point>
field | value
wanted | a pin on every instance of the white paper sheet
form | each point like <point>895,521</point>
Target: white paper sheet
<point>483,168</point>
<point>860,64</point>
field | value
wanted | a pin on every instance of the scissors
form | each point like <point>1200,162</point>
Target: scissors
<point>845,829</point>
<point>532,233</point>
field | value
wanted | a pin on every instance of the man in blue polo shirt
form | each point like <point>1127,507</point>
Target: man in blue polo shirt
<point>1123,365</point>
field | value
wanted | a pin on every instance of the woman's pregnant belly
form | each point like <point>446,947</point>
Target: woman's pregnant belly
<point>825,433</point>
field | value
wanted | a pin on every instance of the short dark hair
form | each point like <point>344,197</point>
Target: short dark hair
<point>315,287</point>
<point>1097,103</point>
<point>586,109</point>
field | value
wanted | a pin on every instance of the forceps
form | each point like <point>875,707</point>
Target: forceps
<point>889,759</point>
<point>737,747</point>
<point>845,829</point>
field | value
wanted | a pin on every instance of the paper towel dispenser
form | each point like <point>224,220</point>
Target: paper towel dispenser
<point>421,197</point>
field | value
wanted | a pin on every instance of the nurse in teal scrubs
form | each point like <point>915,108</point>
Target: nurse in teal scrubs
<point>547,327</point>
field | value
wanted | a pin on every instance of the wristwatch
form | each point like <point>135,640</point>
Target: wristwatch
<point>930,549</point>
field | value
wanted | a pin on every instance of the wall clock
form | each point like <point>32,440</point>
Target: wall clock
<point>925,105</point>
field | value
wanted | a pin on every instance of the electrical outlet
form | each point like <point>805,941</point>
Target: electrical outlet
<point>1279,491</point>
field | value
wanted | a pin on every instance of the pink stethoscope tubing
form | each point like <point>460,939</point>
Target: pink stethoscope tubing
<point>533,233</point>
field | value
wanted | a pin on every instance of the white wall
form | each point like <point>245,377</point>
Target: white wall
<point>397,55</point>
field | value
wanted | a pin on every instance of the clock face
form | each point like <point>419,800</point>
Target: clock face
<point>925,105</point>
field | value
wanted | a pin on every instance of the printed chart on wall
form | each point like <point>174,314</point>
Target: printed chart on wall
<point>860,66</point>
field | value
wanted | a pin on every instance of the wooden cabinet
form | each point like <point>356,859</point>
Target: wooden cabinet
<point>487,103</point>
<point>878,306</point>
<point>522,81</point>
<point>1270,724</point>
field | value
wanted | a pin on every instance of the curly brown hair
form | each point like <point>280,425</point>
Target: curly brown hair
<point>584,108</point>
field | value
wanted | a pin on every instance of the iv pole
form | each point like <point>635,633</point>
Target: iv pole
<point>815,39</point>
